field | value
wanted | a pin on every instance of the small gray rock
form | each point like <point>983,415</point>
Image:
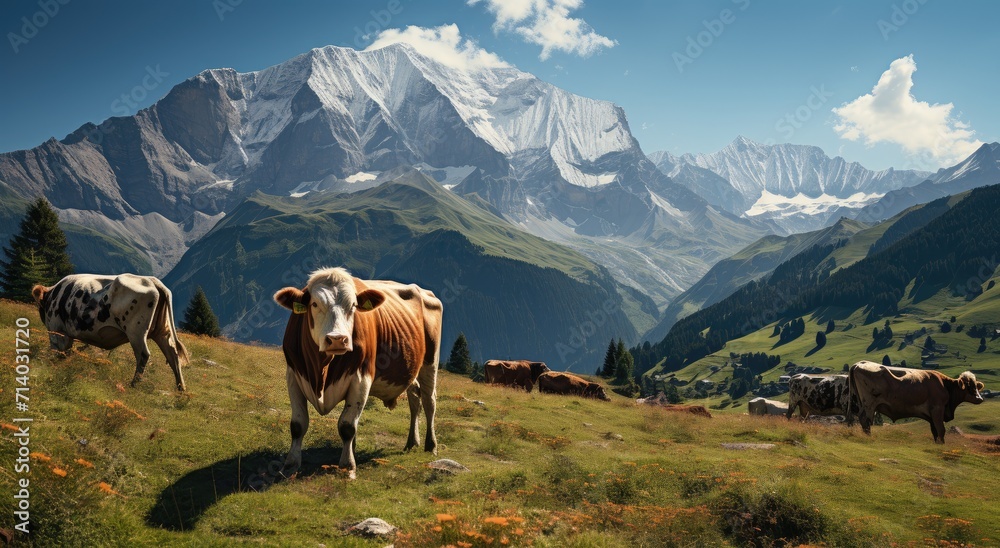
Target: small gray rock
<point>447,465</point>
<point>373,527</point>
<point>744,446</point>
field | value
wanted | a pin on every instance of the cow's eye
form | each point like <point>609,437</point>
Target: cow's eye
<point>315,305</point>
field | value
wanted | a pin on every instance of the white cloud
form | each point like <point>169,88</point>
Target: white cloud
<point>443,44</point>
<point>891,114</point>
<point>547,23</point>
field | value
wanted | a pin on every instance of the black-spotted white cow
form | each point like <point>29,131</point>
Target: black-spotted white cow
<point>109,311</point>
<point>820,395</point>
<point>349,338</point>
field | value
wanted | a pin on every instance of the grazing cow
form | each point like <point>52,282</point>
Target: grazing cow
<point>898,393</point>
<point>764,406</point>
<point>348,339</point>
<point>109,311</point>
<point>820,395</point>
<point>552,382</point>
<point>521,373</point>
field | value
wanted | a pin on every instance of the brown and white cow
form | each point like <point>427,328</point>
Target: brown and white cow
<point>109,311</point>
<point>898,393</point>
<point>764,406</point>
<point>820,395</point>
<point>553,382</point>
<point>521,373</point>
<point>349,338</point>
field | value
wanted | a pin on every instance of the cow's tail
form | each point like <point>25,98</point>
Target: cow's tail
<point>852,393</point>
<point>167,322</point>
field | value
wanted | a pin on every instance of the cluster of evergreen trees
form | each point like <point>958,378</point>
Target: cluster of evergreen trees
<point>619,363</point>
<point>791,330</point>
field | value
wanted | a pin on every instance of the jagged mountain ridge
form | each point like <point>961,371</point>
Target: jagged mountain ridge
<point>981,168</point>
<point>335,117</point>
<point>795,188</point>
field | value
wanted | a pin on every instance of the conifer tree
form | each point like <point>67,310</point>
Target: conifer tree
<point>36,254</point>
<point>459,360</point>
<point>199,317</point>
<point>820,339</point>
<point>610,360</point>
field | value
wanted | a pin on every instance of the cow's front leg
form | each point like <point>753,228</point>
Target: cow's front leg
<point>413,398</point>
<point>141,350</point>
<point>428,396</point>
<point>354,404</point>
<point>937,425</point>
<point>299,424</point>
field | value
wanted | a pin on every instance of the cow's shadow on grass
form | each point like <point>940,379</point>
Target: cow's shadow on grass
<point>182,504</point>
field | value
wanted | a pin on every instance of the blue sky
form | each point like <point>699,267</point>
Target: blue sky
<point>772,71</point>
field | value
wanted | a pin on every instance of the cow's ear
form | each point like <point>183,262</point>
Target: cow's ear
<point>38,292</point>
<point>370,299</point>
<point>293,299</point>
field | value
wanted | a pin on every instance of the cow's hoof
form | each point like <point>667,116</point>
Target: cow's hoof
<point>352,474</point>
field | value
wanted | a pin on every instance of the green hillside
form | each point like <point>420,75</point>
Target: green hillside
<point>116,466</point>
<point>519,296</point>
<point>851,341</point>
<point>927,253</point>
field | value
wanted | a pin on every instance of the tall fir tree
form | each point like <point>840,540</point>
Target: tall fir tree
<point>459,360</point>
<point>36,254</point>
<point>624,363</point>
<point>199,317</point>
<point>610,361</point>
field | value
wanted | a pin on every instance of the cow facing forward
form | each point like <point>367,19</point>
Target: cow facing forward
<point>898,393</point>
<point>820,395</point>
<point>347,339</point>
<point>552,382</point>
<point>109,311</point>
<point>522,373</point>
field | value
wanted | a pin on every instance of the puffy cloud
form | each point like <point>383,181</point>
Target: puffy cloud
<point>547,23</point>
<point>443,44</point>
<point>891,114</point>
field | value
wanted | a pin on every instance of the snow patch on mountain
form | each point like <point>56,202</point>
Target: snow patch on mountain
<point>778,206</point>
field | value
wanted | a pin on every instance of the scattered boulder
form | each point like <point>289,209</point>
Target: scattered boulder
<point>745,446</point>
<point>447,466</point>
<point>613,436</point>
<point>373,527</point>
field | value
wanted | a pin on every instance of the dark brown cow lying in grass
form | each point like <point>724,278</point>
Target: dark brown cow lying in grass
<point>109,311</point>
<point>522,373</point>
<point>898,393</point>
<point>564,383</point>
<point>348,339</point>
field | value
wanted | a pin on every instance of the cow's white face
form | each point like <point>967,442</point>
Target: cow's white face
<point>972,388</point>
<point>331,309</point>
<point>57,340</point>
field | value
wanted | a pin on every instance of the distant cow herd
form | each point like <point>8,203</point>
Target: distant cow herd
<point>348,339</point>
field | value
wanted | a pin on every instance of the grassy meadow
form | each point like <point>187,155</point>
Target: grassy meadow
<point>146,466</point>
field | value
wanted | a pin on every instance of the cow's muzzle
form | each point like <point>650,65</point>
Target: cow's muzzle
<point>337,344</point>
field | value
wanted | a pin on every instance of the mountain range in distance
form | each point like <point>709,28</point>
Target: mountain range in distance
<point>337,140</point>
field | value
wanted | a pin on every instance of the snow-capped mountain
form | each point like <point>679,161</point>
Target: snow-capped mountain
<point>795,187</point>
<point>563,166</point>
<point>982,168</point>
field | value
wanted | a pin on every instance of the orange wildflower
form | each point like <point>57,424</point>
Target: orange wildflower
<point>106,488</point>
<point>86,463</point>
<point>502,522</point>
<point>40,456</point>
<point>445,517</point>
<point>59,472</point>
